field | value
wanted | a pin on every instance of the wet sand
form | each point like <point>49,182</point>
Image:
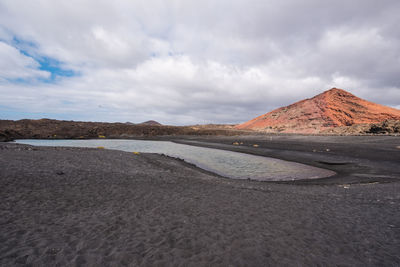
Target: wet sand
<point>93,207</point>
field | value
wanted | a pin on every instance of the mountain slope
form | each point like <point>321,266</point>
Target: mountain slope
<point>332,108</point>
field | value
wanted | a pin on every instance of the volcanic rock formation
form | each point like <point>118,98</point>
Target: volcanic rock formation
<point>332,108</point>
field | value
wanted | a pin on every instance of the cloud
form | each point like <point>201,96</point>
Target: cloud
<point>16,66</point>
<point>186,62</point>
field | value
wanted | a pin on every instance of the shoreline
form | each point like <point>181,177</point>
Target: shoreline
<point>376,163</point>
<point>201,166</point>
<point>355,159</point>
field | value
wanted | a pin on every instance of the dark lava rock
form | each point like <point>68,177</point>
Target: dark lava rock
<point>385,127</point>
<point>6,136</point>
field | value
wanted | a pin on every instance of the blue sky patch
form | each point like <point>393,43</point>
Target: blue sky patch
<point>54,67</point>
<point>51,65</point>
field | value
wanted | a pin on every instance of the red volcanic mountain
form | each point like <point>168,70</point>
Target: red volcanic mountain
<point>332,108</point>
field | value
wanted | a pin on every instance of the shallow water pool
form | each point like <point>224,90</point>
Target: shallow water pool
<point>225,163</point>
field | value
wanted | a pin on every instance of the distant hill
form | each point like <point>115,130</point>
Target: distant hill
<point>332,108</point>
<point>151,123</point>
<point>55,129</point>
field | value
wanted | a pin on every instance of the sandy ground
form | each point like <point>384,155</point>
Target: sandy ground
<point>92,207</point>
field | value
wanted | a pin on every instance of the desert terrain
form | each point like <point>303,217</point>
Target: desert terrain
<point>77,206</point>
<point>96,207</point>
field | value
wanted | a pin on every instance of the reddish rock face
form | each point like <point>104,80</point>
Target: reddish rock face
<point>332,108</point>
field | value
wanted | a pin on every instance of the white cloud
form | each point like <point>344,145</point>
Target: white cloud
<point>15,65</point>
<point>186,61</point>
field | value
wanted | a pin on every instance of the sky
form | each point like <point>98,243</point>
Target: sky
<point>183,62</point>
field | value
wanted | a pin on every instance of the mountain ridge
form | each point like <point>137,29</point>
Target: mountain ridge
<point>332,108</point>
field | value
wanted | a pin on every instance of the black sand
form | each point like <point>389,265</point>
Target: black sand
<point>92,207</point>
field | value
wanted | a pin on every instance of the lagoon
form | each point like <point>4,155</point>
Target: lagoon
<point>222,162</point>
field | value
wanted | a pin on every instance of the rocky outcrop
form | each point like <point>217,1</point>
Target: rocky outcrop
<point>386,127</point>
<point>391,127</point>
<point>6,136</point>
<point>332,108</point>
